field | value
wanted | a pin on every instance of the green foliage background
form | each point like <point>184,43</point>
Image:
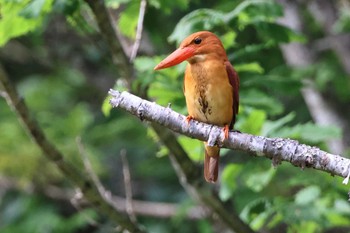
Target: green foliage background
<point>53,53</point>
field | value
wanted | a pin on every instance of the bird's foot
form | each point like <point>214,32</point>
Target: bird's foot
<point>226,131</point>
<point>188,119</point>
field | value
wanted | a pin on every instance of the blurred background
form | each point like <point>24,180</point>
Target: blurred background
<point>293,59</point>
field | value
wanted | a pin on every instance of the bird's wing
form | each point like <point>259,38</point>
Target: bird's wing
<point>234,81</point>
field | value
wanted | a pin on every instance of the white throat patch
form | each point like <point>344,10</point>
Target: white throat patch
<point>197,58</point>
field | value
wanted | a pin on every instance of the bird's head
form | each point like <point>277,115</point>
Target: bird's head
<point>194,48</point>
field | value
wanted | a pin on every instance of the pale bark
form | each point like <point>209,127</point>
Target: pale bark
<point>276,149</point>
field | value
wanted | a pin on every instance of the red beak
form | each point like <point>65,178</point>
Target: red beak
<point>176,57</point>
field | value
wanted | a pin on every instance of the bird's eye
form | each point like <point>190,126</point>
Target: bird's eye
<point>197,40</point>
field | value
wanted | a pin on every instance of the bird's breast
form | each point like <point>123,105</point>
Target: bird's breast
<point>208,93</point>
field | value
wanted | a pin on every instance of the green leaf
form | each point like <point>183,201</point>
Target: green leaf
<point>163,150</point>
<point>19,17</point>
<point>167,94</point>
<point>249,49</point>
<point>204,226</point>
<point>278,33</point>
<point>342,25</point>
<point>256,98</point>
<point>116,3</point>
<point>33,9</point>
<point>106,107</point>
<point>128,19</point>
<point>67,7</point>
<point>228,39</point>
<point>145,64</point>
<point>228,179</point>
<point>257,212</point>
<point>309,132</point>
<point>28,213</point>
<point>253,67</point>
<point>164,86</point>
<point>167,6</point>
<point>315,133</point>
<point>307,195</point>
<point>201,19</point>
<point>270,127</point>
<point>258,180</point>
<point>77,221</point>
<point>324,73</point>
<point>339,214</point>
<point>77,120</point>
<point>279,80</point>
<point>241,9</point>
<point>342,206</point>
<point>254,122</point>
<point>208,19</point>
<point>193,147</point>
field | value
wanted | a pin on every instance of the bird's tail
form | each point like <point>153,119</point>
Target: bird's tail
<point>211,163</point>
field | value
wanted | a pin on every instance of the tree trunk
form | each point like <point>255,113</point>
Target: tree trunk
<point>300,55</point>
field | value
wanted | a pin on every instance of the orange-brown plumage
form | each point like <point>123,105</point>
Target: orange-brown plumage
<point>210,86</point>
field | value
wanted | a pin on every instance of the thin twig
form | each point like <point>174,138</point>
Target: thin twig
<point>76,200</point>
<point>139,29</point>
<point>127,185</point>
<point>3,94</point>
<point>143,208</point>
<point>88,167</point>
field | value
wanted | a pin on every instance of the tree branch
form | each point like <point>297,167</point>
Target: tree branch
<point>119,57</point>
<point>276,149</point>
<point>127,185</point>
<point>139,28</point>
<point>143,208</point>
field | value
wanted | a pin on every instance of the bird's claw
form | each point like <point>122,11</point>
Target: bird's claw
<point>188,119</point>
<point>226,131</point>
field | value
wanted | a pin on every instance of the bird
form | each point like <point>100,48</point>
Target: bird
<point>211,86</point>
